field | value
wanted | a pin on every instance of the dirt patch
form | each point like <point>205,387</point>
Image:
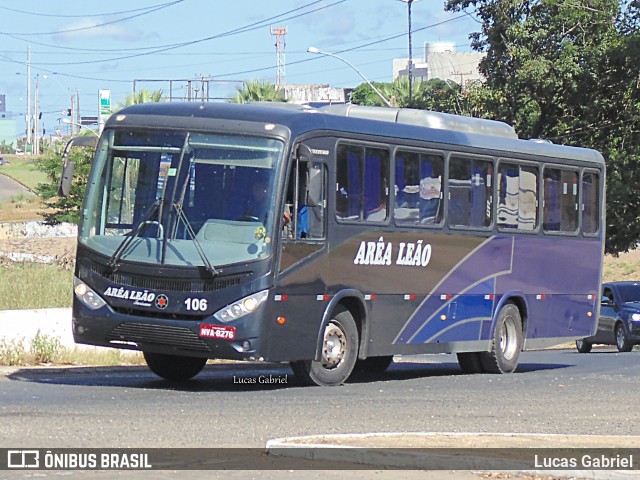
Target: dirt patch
<point>624,267</point>
<point>60,250</point>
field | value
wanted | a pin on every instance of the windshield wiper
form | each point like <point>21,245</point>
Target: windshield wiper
<point>203,256</point>
<point>136,231</point>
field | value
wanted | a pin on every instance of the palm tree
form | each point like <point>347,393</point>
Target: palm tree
<point>143,96</point>
<point>258,91</point>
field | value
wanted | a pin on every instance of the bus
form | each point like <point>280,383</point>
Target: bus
<point>334,238</point>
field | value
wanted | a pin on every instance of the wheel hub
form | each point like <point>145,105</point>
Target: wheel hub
<point>334,346</point>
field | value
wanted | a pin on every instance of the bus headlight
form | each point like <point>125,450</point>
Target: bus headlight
<point>242,307</point>
<point>86,295</point>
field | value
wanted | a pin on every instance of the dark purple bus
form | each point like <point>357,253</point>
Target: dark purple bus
<point>332,238</point>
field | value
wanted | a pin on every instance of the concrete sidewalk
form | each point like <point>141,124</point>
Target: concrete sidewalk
<point>462,452</point>
<point>24,325</point>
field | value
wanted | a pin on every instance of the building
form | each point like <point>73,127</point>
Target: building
<point>441,60</point>
<point>316,95</point>
<point>7,126</point>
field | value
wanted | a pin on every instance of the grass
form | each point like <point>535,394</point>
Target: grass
<point>23,169</point>
<point>45,350</point>
<point>34,285</point>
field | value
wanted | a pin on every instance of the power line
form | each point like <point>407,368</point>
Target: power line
<point>58,32</point>
<point>375,42</point>
<point>38,14</point>
<point>162,48</point>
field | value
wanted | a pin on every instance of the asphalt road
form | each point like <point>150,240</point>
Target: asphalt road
<point>9,187</point>
<point>553,391</point>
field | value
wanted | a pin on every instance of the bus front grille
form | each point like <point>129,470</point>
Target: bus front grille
<point>134,312</point>
<point>166,284</point>
<point>179,337</point>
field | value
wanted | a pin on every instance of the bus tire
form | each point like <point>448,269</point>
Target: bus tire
<point>470,362</point>
<point>506,343</point>
<point>339,353</point>
<point>174,368</point>
<point>583,346</point>
<point>374,364</point>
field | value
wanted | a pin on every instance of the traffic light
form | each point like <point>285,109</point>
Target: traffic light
<point>68,112</point>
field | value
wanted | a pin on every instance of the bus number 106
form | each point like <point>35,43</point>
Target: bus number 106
<point>196,304</point>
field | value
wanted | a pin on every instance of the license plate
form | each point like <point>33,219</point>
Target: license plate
<point>220,332</point>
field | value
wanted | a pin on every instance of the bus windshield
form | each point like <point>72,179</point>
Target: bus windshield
<point>181,198</point>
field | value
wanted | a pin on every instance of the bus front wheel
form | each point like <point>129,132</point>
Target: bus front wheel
<point>173,367</point>
<point>506,343</point>
<point>339,353</point>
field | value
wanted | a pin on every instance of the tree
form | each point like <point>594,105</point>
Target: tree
<point>568,71</point>
<point>436,95</point>
<point>258,91</point>
<point>142,96</point>
<point>64,209</point>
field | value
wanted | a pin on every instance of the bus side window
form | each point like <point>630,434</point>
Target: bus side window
<point>418,188</point>
<point>517,196</point>
<point>560,212</point>
<point>470,192</point>
<point>362,183</point>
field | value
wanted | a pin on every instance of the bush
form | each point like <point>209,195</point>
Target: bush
<point>12,352</point>
<point>46,349</point>
<point>65,209</point>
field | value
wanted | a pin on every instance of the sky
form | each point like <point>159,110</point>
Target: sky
<point>83,46</point>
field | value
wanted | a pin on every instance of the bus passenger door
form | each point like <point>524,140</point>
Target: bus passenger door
<point>301,281</point>
<point>304,222</point>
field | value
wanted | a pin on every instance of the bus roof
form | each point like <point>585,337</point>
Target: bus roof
<point>409,124</point>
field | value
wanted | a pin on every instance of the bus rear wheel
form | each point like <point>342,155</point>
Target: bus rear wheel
<point>339,353</point>
<point>173,367</point>
<point>506,343</point>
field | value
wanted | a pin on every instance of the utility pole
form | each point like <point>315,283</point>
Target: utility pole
<point>280,33</point>
<point>36,114</point>
<point>409,3</point>
<point>28,116</point>
<point>78,115</point>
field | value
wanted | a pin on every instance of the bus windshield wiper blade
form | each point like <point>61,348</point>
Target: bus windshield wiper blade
<point>203,256</point>
<point>137,229</point>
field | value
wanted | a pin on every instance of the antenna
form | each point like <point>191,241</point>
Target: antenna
<point>279,33</point>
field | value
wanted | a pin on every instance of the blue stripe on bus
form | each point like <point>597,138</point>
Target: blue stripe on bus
<point>474,273</point>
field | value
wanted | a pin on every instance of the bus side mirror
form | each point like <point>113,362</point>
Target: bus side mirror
<point>67,177</point>
<point>304,153</point>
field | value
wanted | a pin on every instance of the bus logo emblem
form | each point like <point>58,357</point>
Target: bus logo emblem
<point>162,301</point>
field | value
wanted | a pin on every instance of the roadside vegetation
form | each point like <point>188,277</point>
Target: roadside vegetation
<point>45,350</point>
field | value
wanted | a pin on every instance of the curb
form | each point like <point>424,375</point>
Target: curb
<point>408,450</point>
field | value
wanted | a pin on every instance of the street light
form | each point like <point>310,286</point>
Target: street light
<point>80,126</point>
<point>316,51</point>
<point>409,3</point>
